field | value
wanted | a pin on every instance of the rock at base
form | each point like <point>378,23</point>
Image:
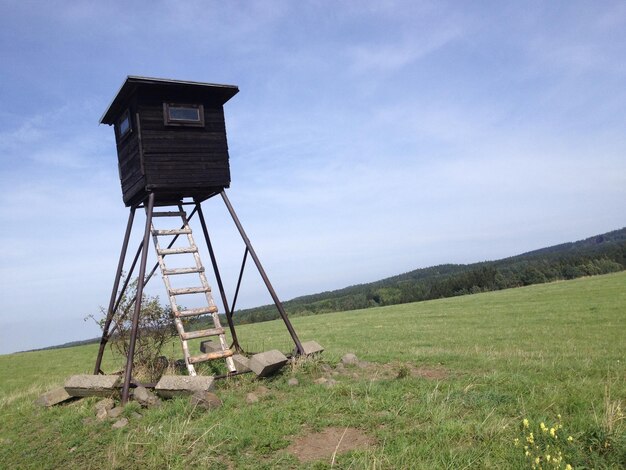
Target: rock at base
<point>205,400</point>
<point>120,423</point>
<point>145,397</point>
<point>266,363</point>
<point>293,382</point>
<point>251,398</point>
<point>312,347</point>
<point>102,408</point>
<point>53,397</point>
<point>115,412</point>
<point>349,359</point>
<point>92,385</point>
<point>180,385</point>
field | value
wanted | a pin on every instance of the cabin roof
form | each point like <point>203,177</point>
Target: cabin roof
<point>217,92</point>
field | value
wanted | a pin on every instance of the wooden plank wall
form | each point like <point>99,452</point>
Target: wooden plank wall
<point>184,157</point>
<point>131,176</point>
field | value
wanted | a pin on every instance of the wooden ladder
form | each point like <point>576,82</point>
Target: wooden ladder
<point>209,310</point>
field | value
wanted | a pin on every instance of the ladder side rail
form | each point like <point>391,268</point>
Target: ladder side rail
<point>207,293</point>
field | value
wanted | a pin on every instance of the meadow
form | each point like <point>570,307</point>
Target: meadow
<point>452,383</point>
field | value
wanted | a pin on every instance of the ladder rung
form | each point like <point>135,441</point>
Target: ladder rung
<point>196,311</point>
<point>210,356</point>
<point>170,272</point>
<point>177,251</point>
<point>178,231</point>
<point>202,333</point>
<point>168,214</point>
<point>189,290</point>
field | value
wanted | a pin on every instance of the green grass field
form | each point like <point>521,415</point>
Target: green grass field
<point>448,386</point>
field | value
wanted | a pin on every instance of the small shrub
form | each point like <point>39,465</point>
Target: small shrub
<point>155,329</point>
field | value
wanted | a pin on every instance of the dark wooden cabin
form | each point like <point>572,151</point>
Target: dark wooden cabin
<point>171,138</point>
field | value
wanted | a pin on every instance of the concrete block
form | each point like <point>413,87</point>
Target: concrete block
<point>242,363</point>
<point>53,397</point>
<point>180,385</point>
<point>312,347</point>
<point>92,385</point>
<point>266,363</point>
<point>209,346</point>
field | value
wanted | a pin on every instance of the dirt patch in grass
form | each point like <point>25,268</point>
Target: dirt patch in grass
<point>326,444</point>
<point>432,373</point>
<point>374,371</point>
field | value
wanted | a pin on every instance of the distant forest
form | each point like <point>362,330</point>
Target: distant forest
<point>601,254</point>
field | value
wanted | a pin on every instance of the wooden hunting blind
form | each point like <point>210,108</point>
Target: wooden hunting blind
<point>171,138</point>
<point>171,147</point>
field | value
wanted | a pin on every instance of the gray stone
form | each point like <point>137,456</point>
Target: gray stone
<point>325,382</point>
<point>242,363</point>
<point>180,385</point>
<point>293,382</point>
<point>120,423</point>
<point>210,346</point>
<point>115,412</point>
<point>205,400</point>
<point>145,397</point>
<point>105,404</point>
<point>251,398</point>
<point>136,415</point>
<point>312,347</point>
<point>53,397</point>
<point>92,385</point>
<point>349,359</point>
<point>101,414</point>
<point>102,408</point>
<point>266,363</point>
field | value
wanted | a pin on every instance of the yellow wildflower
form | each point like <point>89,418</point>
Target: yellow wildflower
<point>570,439</point>
<point>548,457</point>
<point>530,439</point>
<point>553,432</point>
<point>537,460</point>
<point>525,422</point>
<point>543,427</point>
<point>568,467</point>
<point>516,442</point>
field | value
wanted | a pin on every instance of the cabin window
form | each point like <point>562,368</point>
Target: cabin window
<point>183,114</point>
<point>123,125</point>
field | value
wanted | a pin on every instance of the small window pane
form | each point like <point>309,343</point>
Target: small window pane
<point>184,113</point>
<point>124,124</point>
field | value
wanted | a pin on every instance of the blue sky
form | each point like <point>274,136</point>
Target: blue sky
<point>368,138</point>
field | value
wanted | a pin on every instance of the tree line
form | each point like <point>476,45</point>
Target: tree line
<point>601,254</point>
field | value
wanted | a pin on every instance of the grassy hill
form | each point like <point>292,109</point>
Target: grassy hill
<point>600,254</point>
<point>448,385</point>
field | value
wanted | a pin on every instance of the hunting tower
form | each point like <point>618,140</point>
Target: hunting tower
<point>171,138</point>
<point>171,147</point>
